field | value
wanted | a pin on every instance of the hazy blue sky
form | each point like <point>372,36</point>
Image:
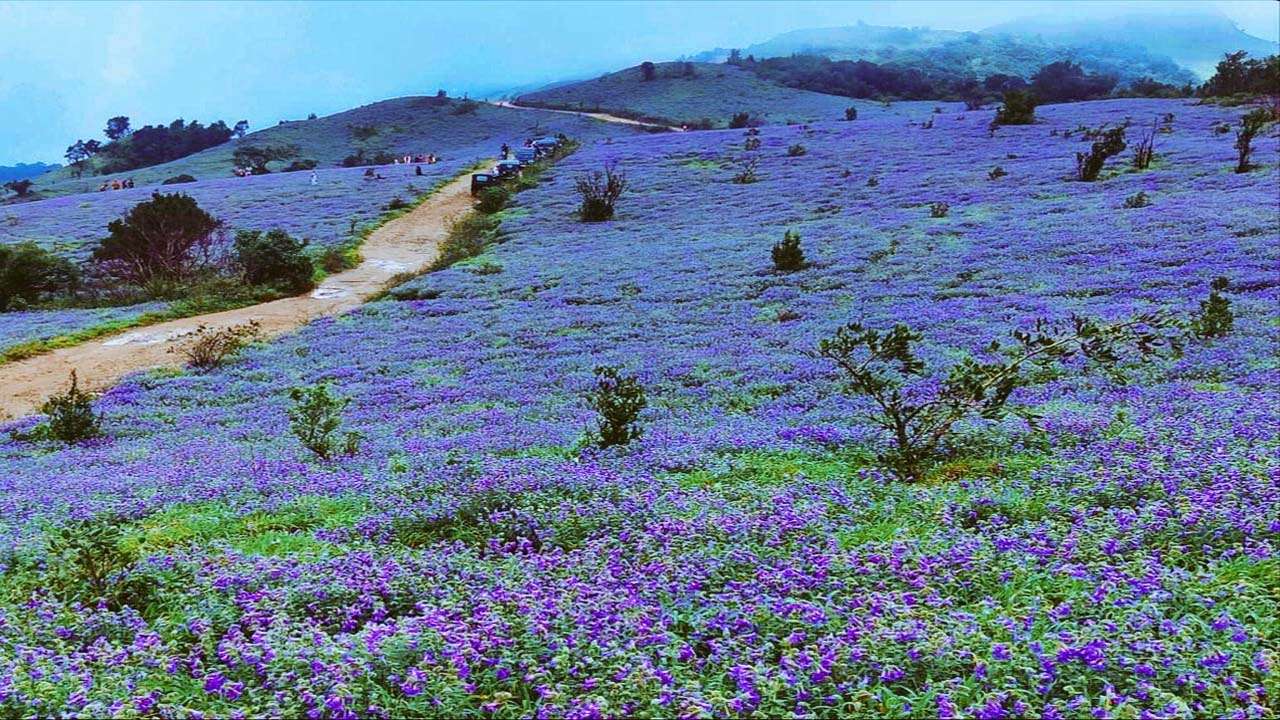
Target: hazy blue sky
<point>66,67</point>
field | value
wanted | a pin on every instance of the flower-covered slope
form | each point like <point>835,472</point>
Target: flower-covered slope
<point>746,555</point>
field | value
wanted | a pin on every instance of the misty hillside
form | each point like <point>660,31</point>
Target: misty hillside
<point>979,54</point>
<point>1195,40</point>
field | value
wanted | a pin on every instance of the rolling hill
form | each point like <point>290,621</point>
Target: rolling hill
<point>410,125</point>
<point>713,92</point>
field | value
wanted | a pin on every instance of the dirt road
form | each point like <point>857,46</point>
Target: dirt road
<point>407,244</point>
<point>606,117</point>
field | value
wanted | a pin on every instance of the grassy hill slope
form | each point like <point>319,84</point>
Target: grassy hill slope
<point>448,128</point>
<point>714,92</point>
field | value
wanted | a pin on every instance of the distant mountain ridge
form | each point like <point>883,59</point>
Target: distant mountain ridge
<point>24,171</point>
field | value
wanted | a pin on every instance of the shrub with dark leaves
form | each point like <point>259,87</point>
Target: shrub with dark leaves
<point>1215,318</point>
<point>208,348</point>
<point>1250,125</point>
<point>274,258</point>
<point>1019,108</point>
<point>599,192</point>
<point>493,199</point>
<point>1111,143</point>
<point>315,418</point>
<point>71,418</point>
<point>618,400</point>
<point>787,253</point>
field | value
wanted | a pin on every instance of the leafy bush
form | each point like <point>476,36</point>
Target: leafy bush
<point>315,418</point>
<point>1089,165</point>
<point>465,107</point>
<point>796,150</point>
<point>299,165</point>
<point>396,203</point>
<point>920,411</point>
<point>179,179</point>
<point>1238,74</point>
<point>493,199</point>
<point>161,238</point>
<point>996,173</point>
<point>618,400</point>
<point>71,418</point>
<point>1019,108</point>
<point>1215,318</point>
<point>599,192</point>
<point>28,272</point>
<point>274,258</point>
<point>740,120</point>
<point>208,348</point>
<point>87,556</point>
<point>939,209</point>
<point>20,188</point>
<point>751,143</point>
<point>747,170</point>
<point>787,253</point>
<point>851,113</point>
<point>1137,200</point>
<point>1250,125</point>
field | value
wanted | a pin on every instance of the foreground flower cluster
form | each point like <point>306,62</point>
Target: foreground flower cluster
<point>747,556</point>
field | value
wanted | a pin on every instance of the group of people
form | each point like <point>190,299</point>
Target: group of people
<point>115,185</point>
<point>429,158</point>
<point>242,171</point>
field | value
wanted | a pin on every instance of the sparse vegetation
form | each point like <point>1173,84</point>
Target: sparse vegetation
<point>796,150</point>
<point>1250,125</point>
<point>1019,108</point>
<point>315,419</point>
<point>70,415</point>
<point>493,199</point>
<point>1137,200</point>
<point>208,348</point>
<point>939,209</point>
<point>1145,151</point>
<point>996,173</point>
<point>747,170</point>
<point>1215,318</point>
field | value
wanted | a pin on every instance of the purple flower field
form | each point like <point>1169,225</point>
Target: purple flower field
<point>746,556</point>
<point>20,327</point>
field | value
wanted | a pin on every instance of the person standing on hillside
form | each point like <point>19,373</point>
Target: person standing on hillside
<point>314,179</point>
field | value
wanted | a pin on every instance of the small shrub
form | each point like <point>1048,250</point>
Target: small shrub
<point>315,418</point>
<point>1250,125</point>
<point>28,272</point>
<point>851,113</point>
<point>1215,318</point>
<point>1019,108</point>
<point>300,165</point>
<point>71,416</point>
<point>796,150</point>
<point>493,199</point>
<point>873,181</point>
<point>599,192</point>
<point>274,258</point>
<point>939,209</point>
<point>1145,151</point>
<point>87,556</point>
<point>618,400</point>
<point>996,173</point>
<point>751,144</point>
<point>466,107</point>
<point>787,253</point>
<point>178,179</point>
<point>396,203</point>
<point>927,124</point>
<point>747,171</point>
<point>740,120</point>
<point>1137,200</point>
<point>208,348</point>
<point>920,411</point>
<point>1089,165</point>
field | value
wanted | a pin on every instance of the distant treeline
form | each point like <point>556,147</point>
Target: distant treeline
<point>130,149</point>
<point>1062,81</point>
<point>1237,74</point>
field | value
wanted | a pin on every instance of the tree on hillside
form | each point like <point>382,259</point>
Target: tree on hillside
<point>1236,74</point>
<point>256,158</point>
<point>647,71</point>
<point>240,129</point>
<point>21,188</point>
<point>164,238</point>
<point>1065,81</point>
<point>117,127</point>
<point>735,57</point>
<point>79,152</point>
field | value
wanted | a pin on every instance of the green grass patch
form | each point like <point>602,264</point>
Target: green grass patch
<point>271,532</point>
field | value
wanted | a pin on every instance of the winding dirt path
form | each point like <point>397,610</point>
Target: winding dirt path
<point>606,117</point>
<point>409,243</point>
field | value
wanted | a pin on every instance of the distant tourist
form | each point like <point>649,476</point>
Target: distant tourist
<point>314,179</point>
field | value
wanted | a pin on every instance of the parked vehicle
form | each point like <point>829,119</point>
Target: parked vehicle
<point>507,168</point>
<point>480,181</point>
<point>526,155</point>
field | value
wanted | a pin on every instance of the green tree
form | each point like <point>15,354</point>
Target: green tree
<point>161,238</point>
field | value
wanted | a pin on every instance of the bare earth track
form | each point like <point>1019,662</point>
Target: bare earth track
<point>606,117</point>
<point>409,243</point>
